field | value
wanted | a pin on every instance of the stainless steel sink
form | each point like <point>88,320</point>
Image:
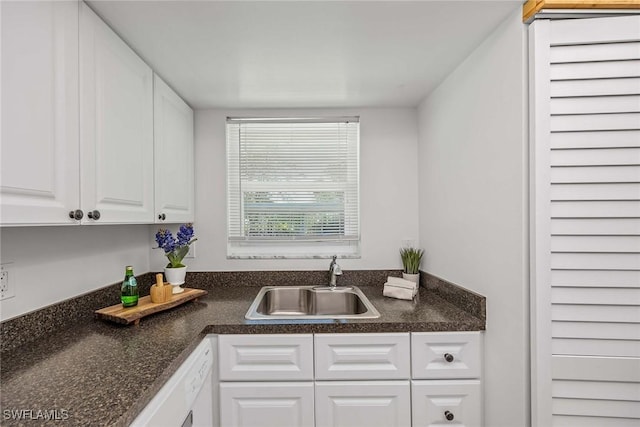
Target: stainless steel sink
<point>311,302</point>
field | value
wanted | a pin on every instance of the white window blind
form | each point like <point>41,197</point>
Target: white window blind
<point>292,187</point>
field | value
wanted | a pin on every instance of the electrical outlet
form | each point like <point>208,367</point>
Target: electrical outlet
<point>192,251</point>
<point>7,289</point>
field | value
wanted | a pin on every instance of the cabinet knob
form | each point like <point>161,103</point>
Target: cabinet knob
<point>77,214</point>
<point>448,415</point>
<point>162,217</point>
<point>95,215</point>
<point>448,357</point>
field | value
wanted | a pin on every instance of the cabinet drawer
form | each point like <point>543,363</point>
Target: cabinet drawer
<point>266,404</point>
<point>363,404</point>
<point>362,356</point>
<point>446,402</point>
<point>265,357</point>
<point>445,355</point>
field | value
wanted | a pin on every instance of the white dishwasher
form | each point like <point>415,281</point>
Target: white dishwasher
<point>186,400</point>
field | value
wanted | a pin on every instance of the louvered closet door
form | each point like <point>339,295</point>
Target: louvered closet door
<point>585,122</point>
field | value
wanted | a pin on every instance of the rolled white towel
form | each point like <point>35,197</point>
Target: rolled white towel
<point>392,291</point>
<point>396,287</point>
<point>402,283</point>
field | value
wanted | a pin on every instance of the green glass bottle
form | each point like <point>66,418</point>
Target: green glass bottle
<point>129,289</point>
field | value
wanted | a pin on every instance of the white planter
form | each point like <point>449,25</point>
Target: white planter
<point>175,276</point>
<point>415,278</point>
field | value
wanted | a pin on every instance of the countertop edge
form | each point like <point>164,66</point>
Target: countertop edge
<point>145,398</point>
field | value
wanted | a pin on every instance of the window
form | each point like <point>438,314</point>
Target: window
<point>292,187</point>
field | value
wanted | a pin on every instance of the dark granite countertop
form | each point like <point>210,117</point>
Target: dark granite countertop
<point>98,373</point>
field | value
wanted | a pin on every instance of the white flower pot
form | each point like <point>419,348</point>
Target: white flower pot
<point>415,278</point>
<point>175,276</point>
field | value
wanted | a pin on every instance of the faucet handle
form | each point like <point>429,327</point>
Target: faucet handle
<point>333,262</point>
<point>335,267</point>
<point>334,272</point>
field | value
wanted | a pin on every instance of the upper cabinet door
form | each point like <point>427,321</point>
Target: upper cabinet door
<point>116,127</point>
<point>173,154</point>
<point>39,170</point>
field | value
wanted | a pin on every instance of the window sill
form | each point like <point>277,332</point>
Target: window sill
<point>297,250</point>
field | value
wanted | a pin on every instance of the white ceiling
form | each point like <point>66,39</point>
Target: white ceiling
<point>289,54</point>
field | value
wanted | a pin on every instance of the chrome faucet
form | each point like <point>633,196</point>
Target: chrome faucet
<point>334,272</point>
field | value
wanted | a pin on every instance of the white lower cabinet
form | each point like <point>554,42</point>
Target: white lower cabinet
<point>365,369</point>
<point>363,403</point>
<point>282,357</point>
<point>268,404</point>
<point>362,356</point>
<point>446,402</point>
<point>350,380</point>
<point>445,355</point>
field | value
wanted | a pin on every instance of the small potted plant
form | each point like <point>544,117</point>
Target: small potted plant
<point>175,249</point>
<point>411,259</point>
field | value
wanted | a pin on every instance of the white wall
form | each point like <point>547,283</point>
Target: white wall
<point>388,188</point>
<point>473,204</point>
<point>52,264</point>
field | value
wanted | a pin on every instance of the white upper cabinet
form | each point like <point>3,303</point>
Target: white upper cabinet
<point>173,155</point>
<point>39,173</point>
<point>116,127</point>
<point>78,125</point>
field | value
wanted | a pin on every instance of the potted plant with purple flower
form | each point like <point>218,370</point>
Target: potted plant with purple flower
<point>175,249</point>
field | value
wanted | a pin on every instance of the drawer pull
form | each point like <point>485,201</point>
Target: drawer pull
<point>448,415</point>
<point>448,357</point>
<point>94,215</point>
<point>77,214</point>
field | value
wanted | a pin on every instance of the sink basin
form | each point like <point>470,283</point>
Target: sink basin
<point>311,302</point>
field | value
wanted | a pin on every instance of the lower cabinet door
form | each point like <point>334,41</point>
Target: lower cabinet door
<point>446,402</point>
<point>363,403</point>
<point>266,404</point>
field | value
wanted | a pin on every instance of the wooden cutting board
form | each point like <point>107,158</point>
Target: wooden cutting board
<point>119,314</point>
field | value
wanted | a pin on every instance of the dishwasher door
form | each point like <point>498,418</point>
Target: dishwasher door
<point>201,414</point>
<point>187,397</point>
